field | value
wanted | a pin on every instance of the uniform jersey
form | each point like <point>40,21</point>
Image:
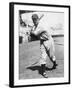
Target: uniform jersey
<point>42,30</point>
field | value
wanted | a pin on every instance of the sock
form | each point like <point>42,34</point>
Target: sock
<point>54,62</point>
<point>43,68</point>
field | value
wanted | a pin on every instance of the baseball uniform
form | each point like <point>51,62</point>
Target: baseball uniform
<point>46,41</point>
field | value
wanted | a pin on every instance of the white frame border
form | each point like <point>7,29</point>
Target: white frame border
<point>16,45</point>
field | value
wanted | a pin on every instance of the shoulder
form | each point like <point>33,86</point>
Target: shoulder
<point>41,25</point>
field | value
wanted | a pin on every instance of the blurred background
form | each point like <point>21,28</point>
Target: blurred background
<point>29,52</point>
<point>53,21</point>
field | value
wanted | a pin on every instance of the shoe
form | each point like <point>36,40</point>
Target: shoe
<point>54,67</point>
<point>45,75</point>
<point>43,71</point>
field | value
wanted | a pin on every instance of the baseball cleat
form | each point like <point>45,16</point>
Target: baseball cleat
<point>45,75</point>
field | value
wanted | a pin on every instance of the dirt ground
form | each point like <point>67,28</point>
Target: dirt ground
<point>29,56</point>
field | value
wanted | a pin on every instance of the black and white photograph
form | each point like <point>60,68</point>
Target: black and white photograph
<point>41,44</point>
<point>41,49</point>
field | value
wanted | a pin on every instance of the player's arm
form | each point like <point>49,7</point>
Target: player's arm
<point>34,32</point>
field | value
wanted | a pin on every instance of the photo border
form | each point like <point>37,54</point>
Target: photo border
<point>11,42</point>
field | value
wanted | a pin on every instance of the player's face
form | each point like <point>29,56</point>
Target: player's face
<point>35,21</point>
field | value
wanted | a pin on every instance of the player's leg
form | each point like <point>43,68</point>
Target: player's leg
<point>50,49</point>
<point>51,55</point>
<point>53,59</point>
<point>43,60</point>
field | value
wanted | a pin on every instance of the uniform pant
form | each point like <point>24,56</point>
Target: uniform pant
<point>47,49</point>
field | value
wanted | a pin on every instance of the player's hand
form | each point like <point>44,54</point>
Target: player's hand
<point>32,32</point>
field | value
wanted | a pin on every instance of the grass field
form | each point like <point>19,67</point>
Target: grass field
<point>29,56</point>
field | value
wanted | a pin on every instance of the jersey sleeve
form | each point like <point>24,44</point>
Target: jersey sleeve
<point>42,26</point>
<point>38,30</point>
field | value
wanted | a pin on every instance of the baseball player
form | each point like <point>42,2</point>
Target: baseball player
<point>46,43</point>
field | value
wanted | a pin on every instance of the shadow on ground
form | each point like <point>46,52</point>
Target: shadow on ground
<point>38,68</point>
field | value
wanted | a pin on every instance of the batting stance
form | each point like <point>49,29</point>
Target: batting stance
<point>46,43</point>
